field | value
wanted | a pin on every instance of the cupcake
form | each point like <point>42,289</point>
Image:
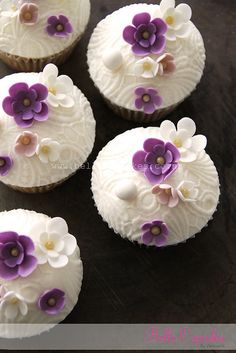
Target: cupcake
<point>146,59</point>
<point>156,186</point>
<point>35,33</point>
<point>47,130</point>
<point>40,273</point>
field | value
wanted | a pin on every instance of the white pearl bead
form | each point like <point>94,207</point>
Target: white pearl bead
<point>113,59</point>
<point>126,190</point>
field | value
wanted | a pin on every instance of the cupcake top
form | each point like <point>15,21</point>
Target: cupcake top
<point>147,57</point>
<point>156,186</point>
<point>37,29</point>
<point>40,272</point>
<point>47,128</point>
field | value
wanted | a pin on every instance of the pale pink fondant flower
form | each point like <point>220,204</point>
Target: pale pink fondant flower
<point>29,14</point>
<point>26,144</point>
<point>166,194</point>
<point>166,64</point>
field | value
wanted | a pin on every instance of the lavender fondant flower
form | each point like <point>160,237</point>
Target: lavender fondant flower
<point>6,164</point>
<point>16,259</point>
<point>158,161</point>
<point>26,104</point>
<point>52,301</point>
<point>147,99</point>
<point>26,144</point>
<point>156,232</point>
<point>59,26</point>
<point>29,14</point>
<point>146,36</point>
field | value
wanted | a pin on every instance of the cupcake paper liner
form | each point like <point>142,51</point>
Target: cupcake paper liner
<point>39,189</point>
<point>23,64</point>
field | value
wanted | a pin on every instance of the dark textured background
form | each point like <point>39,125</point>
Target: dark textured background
<point>123,283</point>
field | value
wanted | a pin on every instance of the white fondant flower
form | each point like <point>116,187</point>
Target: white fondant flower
<point>166,194</point>
<point>146,67</point>
<point>60,88</point>
<point>55,243</point>
<point>183,138</point>
<point>48,150</point>
<point>12,304</point>
<point>177,19</point>
<point>187,191</point>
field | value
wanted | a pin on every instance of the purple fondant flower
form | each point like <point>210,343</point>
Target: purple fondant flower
<point>59,26</point>
<point>146,36</point>
<point>52,301</point>
<point>29,14</point>
<point>26,104</point>
<point>16,259</point>
<point>148,99</point>
<point>158,161</point>
<point>156,232</point>
<point>6,164</point>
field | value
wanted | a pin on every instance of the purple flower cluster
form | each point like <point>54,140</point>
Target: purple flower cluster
<point>16,259</point>
<point>158,161</point>
<point>146,36</point>
<point>26,104</point>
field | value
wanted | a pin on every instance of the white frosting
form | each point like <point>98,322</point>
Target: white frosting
<point>68,279</point>
<point>119,85</point>
<point>114,165</point>
<point>34,41</point>
<point>73,128</point>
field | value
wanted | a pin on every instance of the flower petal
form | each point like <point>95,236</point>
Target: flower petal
<point>43,114</point>
<point>153,179</point>
<point>149,144</point>
<point>149,108</point>
<point>27,244</point>
<point>139,161</point>
<point>188,157</point>
<point>41,90</point>
<point>141,18</point>
<point>6,237</point>
<point>139,50</point>
<point>57,225</point>
<point>166,128</point>
<point>147,238</point>
<point>129,33</point>
<point>161,26</point>
<point>139,103</point>
<point>11,311</point>
<point>166,4</point>
<point>7,105</point>
<point>70,244</point>
<point>8,273</point>
<point>28,266</point>
<point>199,143</point>
<point>183,31</point>
<point>65,82</point>
<point>18,87</point>
<point>160,241</point>
<point>186,11</point>
<point>159,45</point>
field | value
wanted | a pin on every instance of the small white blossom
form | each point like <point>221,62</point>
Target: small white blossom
<point>60,88</point>
<point>48,150</point>
<point>55,244</point>
<point>146,67</point>
<point>12,304</point>
<point>177,19</point>
<point>187,191</point>
<point>183,138</point>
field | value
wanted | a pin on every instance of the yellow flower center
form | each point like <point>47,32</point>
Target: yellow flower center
<point>147,66</point>
<point>185,192</point>
<point>52,90</point>
<point>25,140</point>
<point>28,16</point>
<point>14,301</point>
<point>156,230</point>
<point>161,160</point>
<point>14,252</point>
<point>146,35</point>
<point>146,98</point>
<point>26,102</point>
<point>51,302</point>
<point>60,27</point>
<point>45,149</point>
<point>49,245</point>
<point>170,20</point>
<point>178,142</point>
<point>168,191</point>
<point>2,162</point>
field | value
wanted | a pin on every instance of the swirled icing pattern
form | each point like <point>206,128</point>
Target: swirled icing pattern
<point>119,85</point>
<point>114,164</point>
<point>33,41</point>
<point>68,279</point>
<point>73,128</point>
